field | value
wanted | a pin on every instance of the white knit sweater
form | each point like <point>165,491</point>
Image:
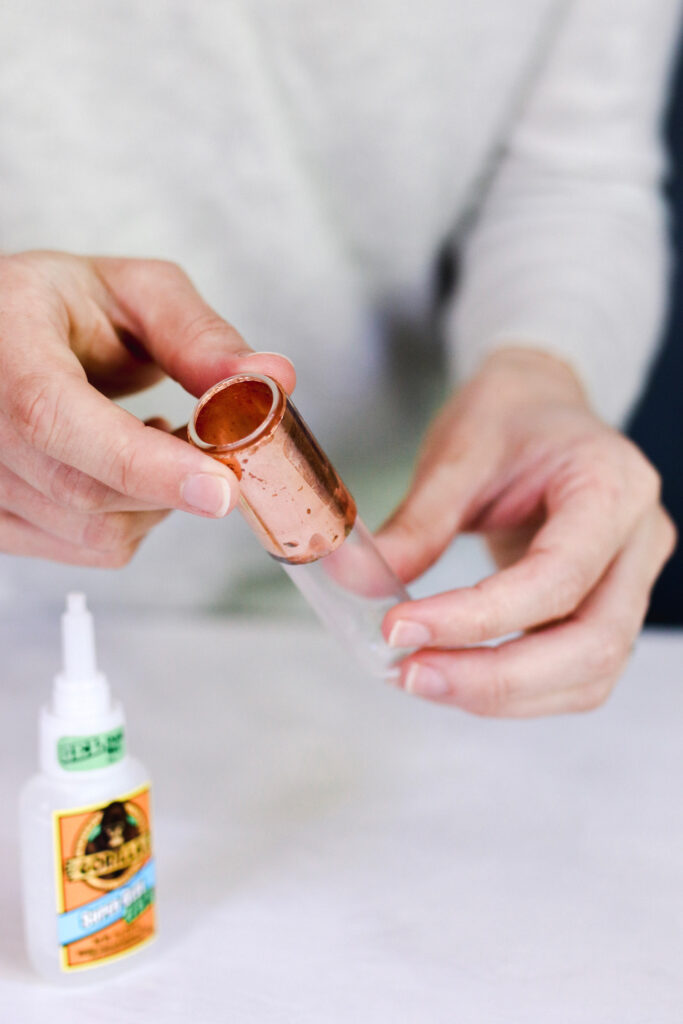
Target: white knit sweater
<point>306,160</point>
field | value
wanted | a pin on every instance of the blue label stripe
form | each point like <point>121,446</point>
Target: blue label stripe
<point>93,917</point>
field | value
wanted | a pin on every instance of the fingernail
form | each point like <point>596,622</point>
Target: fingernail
<point>207,493</point>
<point>279,355</point>
<point>409,634</point>
<point>425,681</point>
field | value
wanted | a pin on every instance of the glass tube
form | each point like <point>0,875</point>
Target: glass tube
<point>301,511</point>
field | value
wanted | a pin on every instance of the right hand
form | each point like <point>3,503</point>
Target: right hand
<point>81,480</point>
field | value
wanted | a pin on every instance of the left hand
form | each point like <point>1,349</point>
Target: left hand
<point>571,512</point>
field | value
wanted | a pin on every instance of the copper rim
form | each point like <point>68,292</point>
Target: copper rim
<point>264,429</point>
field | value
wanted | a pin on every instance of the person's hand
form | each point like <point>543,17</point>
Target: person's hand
<point>571,512</point>
<point>81,480</point>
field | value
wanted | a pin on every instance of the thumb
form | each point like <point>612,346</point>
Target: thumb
<point>441,500</point>
<point>158,303</point>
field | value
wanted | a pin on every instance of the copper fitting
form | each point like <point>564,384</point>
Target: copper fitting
<point>291,495</point>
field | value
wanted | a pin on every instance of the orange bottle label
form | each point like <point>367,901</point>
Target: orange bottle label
<point>105,877</point>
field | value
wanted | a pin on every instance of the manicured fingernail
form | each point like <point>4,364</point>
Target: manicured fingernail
<point>409,634</point>
<point>425,681</point>
<point>207,493</point>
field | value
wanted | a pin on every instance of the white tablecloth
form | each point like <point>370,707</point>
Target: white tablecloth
<point>331,850</point>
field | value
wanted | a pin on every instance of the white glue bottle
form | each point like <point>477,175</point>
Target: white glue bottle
<point>88,873</point>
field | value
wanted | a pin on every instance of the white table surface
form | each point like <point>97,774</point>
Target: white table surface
<point>331,850</point>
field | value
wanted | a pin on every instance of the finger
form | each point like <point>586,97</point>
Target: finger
<point>65,486</point>
<point>438,503</point>
<point>571,666</point>
<point>102,531</point>
<point>564,561</point>
<point>54,409</point>
<point>158,303</point>
<point>17,537</point>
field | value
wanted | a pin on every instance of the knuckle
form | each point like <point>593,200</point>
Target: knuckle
<point>169,268</point>
<point>651,481</point>
<point>608,652</point>
<point>203,327</point>
<point>643,476</point>
<point>590,698</point>
<point>594,469</point>
<point>405,522</point>
<point>154,270</point>
<point>493,698</point>
<point>568,590</point>
<point>410,525</point>
<point>481,625</point>
<point>70,488</point>
<point>608,485</point>
<point>669,534</point>
<point>119,558</point>
<point>124,466</point>
<point>614,470</point>
<point>483,620</point>
<point>107,532</point>
<point>34,409</point>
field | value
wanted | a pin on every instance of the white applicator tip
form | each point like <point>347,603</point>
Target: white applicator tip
<point>76,602</point>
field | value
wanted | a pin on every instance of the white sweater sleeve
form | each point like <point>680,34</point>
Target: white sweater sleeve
<point>569,251</point>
